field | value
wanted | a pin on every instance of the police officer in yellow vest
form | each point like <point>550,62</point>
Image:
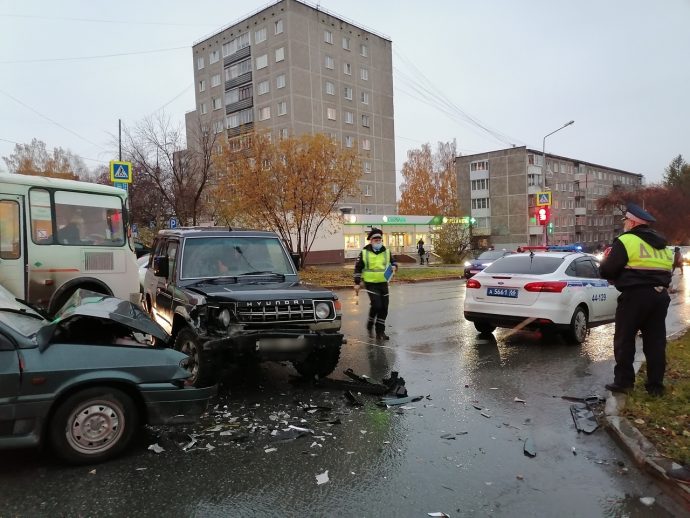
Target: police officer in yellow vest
<point>639,264</point>
<point>370,268</point>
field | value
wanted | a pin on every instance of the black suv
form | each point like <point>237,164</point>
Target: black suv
<point>225,295</point>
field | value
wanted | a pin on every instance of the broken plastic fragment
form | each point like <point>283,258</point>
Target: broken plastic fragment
<point>300,429</point>
<point>647,500</point>
<point>439,514</point>
<point>322,478</point>
<point>92,472</point>
<point>448,436</point>
<point>518,400</point>
<point>529,448</point>
<point>584,418</point>
<point>485,414</point>
<point>270,450</point>
<point>189,445</point>
<point>574,451</point>
<point>210,447</point>
<point>156,448</point>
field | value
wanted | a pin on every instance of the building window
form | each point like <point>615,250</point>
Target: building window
<point>330,113</point>
<point>328,37</point>
<point>202,85</point>
<point>217,103</point>
<point>535,160</point>
<point>346,43</point>
<point>213,57</point>
<point>282,108</point>
<point>349,118</point>
<point>202,108</point>
<point>367,190</point>
<point>329,62</point>
<point>246,92</point>
<point>480,185</point>
<point>238,43</point>
<point>262,62</point>
<point>364,97</point>
<point>283,133</point>
<point>264,113</point>
<point>364,74</point>
<point>367,166</point>
<point>366,121</point>
<point>480,203</point>
<point>263,87</point>
<point>278,27</point>
<point>260,35</point>
<point>242,117</point>
<point>364,50</point>
<point>280,81</point>
<point>347,69</point>
<point>238,69</point>
<point>215,80</point>
<point>349,141</point>
<point>482,165</point>
<point>347,92</point>
<point>366,144</point>
<point>330,88</point>
<point>218,126</point>
<point>200,62</point>
<point>280,54</point>
<point>533,180</point>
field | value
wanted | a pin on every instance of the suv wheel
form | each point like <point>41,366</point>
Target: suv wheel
<point>93,425</point>
<point>578,326</point>
<point>484,327</point>
<point>203,373</point>
<point>320,362</point>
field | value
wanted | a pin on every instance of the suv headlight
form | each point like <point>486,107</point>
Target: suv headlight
<point>467,263</point>
<point>322,310</point>
<point>224,318</point>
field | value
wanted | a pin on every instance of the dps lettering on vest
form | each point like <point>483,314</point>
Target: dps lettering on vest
<point>643,256</point>
<point>375,265</point>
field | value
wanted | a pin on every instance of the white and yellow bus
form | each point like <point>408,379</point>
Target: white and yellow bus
<point>57,236</point>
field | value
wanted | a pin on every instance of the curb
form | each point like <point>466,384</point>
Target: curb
<point>643,452</point>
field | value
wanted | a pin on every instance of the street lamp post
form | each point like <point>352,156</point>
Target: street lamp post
<point>543,176</point>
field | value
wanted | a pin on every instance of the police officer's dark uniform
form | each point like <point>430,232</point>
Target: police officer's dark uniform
<point>639,264</point>
<point>370,268</point>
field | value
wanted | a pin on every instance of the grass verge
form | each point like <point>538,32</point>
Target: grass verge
<point>343,276</point>
<point>665,421</point>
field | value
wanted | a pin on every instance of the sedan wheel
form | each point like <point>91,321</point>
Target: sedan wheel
<point>93,425</point>
<point>578,326</point>
<point>484,327</point>
<point>202,372</point>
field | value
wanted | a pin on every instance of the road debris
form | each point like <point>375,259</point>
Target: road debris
<point>438,514</point>
<point>270,450</point>
<point>584,418</point>
<point>92,472</point>
<point>156,448</point>
<point>322,478</point>
<point>354,400</point>
<point>529,449</point>
<point>574,450</point>
<point>518,400</point>
<point>386,402</point>
<point>647,500</point>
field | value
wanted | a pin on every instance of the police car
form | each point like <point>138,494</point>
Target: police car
<point>559,291</point>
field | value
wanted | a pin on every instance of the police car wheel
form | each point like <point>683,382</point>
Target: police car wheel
<point>484,327</point>
<point>578,326</point>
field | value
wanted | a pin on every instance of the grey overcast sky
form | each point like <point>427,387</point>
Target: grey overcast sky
<point>619,68</point>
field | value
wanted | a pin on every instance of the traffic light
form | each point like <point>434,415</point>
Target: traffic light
<point>543,215</point>
<point>549,228</point>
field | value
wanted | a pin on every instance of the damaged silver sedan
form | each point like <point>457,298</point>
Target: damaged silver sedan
<point>85,382</point>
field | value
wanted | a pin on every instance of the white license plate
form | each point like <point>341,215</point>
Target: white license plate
<point>280,344</point>
<point>510,293</point>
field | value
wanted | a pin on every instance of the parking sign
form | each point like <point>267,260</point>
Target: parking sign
<point>172,222</point>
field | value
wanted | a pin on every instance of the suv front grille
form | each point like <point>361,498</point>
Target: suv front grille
<point>301,312</point>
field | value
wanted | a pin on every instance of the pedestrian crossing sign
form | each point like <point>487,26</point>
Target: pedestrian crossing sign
<point>544,198</point>
<point>120,172</point>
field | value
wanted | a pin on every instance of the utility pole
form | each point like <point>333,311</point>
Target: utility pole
<point>119,136</point>
<point>543,176</point>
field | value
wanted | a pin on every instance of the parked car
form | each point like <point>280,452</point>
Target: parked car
<point>555,291</point>
<point>141,249</point>
<point>475,266</point>
<point>230,294</point>
<point>86,381</point>
<point>143,264</point>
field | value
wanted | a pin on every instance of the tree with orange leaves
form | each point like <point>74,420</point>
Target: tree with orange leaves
<point>430,182</point>
<point>35,160</point>
<point>291,186</point>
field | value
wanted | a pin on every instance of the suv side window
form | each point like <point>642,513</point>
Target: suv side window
<point>171,252</point>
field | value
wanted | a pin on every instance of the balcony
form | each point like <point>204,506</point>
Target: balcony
<point>580,193</point>
<point>580,228</point>
<point>580,211</point>
<point>534,189</point>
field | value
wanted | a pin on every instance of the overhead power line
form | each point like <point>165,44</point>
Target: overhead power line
<point>50,120</point>
<point>100,56</point>
<point>101,20</point>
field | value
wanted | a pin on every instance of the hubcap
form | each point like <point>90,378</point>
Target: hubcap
<point>95,427</point>
<point>580,325</point>
<point>190,348</point>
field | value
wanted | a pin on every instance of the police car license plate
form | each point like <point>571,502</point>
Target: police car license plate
<point>511,293</point>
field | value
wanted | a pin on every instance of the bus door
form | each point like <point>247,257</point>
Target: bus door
<point>12,244</point>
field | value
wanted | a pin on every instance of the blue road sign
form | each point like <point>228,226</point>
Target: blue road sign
<point>135,230</point>
<point>172,222</point>
<point>121,185</point>
<point>120,171</point>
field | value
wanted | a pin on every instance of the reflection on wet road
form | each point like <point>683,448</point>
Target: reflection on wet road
<point>380,462</point>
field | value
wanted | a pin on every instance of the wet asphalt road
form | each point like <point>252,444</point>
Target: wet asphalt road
<point>380,462</point>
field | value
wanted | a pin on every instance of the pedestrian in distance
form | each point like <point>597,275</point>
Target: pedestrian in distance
<point>640,265</point>
<point>420,250</point>
<point>677,261</point>
<point>374,268</point>
<point>427,255</point>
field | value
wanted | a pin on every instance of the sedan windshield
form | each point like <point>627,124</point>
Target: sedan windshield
<point>233,256</point>
<point>525,264</point>
<point>26,324</point>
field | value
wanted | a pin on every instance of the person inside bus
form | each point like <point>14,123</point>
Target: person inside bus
<point>70,234</point>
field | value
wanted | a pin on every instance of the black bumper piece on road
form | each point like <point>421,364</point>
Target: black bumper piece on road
<point>176,405</point>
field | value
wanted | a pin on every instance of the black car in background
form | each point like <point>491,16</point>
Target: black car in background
<point>475,266</point>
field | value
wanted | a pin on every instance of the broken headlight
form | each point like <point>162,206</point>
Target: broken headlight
<point>224,318</point>
<point>322,310</point>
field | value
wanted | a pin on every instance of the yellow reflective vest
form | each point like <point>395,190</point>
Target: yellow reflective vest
<point>375,265</point>
<point>643,256</point>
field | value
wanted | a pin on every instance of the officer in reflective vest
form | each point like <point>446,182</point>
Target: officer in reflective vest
<point>639,264</point>
<point>372,264</point>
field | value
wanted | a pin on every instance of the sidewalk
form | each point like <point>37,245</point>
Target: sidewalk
<point>643,452</point>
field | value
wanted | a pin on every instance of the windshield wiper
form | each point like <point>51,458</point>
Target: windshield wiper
<point>216,280</point>
<point>22,312</point>
<point>263,273</point>
<point>32,306</point>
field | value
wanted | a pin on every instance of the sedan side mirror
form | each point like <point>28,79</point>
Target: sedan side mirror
<point>160,266</point>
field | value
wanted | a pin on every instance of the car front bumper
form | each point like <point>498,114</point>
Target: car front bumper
<point>167,403</point>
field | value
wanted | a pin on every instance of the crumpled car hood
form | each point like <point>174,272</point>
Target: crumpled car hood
<point>85,303</point>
